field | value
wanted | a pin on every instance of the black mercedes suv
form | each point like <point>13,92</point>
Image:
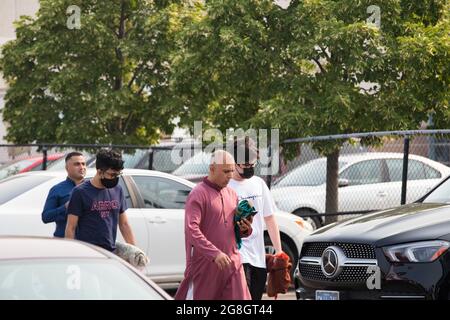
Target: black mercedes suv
<point>400,253</point>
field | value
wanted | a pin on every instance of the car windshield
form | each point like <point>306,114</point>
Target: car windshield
<point>312,173</point>
<point>131,160</point>
<point>439,195</point>
<point>14,168</point>
<point>55,279</point>
<point>57,165</point>
<point>198,164</point>
<point>164,160</point>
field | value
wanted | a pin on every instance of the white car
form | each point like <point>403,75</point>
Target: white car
<point>156,212</point>
<point>41,268</point>
<point>367,181</point>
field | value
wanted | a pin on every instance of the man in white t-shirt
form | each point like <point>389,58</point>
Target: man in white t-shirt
<point>254,189</point>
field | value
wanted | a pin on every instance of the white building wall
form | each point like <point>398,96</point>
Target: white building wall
<point>10,11</point>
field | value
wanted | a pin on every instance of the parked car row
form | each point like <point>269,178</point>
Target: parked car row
<point>27,164</point>
<point>367,181</point>
<point>156,212</point>
<point>399,253</point>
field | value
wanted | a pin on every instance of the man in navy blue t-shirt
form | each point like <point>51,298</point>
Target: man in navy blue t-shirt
<point>97,206</point>
<point>58,196</point>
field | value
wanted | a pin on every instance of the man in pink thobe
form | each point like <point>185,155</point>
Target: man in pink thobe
<point>213,266</point>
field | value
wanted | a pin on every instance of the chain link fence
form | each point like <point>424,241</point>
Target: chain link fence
<point>165,157</point>
<point>400,169</point>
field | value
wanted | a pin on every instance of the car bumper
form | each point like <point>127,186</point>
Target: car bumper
<point>423,281</point>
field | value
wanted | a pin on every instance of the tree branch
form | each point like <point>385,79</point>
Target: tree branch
<point>322,70</point>
<point>127,122</point>
<point>324,52</point>
<point>140,90</point>
<point>135,74</point>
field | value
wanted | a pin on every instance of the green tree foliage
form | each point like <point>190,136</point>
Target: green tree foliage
<point>316,68</point>
<point>103,83</point>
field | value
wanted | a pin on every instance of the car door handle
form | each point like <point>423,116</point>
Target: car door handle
<point>158,220</point>
<point>382,194</point>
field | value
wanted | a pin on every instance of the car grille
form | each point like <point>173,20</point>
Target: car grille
<point>351,250</point>
<point>348,275</point>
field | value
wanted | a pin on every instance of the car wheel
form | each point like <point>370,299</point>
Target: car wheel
<point>310,216</point>
<point>286,249</point>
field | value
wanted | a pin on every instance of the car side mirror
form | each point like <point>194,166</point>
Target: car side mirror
<point>343,182</point>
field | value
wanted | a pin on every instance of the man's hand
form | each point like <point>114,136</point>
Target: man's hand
<point>245,226</point>
<point>72,222</point>
<point>125,229</point>
<point>222,261</point>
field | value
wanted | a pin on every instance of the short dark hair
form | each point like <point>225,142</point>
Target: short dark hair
<point>248,147</point>
<point>108,159</point>
<point>72,154</point>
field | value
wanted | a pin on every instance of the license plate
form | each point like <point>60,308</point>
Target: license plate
<point>327,295</point>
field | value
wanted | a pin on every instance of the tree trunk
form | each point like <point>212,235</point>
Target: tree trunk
<point>331,202</point>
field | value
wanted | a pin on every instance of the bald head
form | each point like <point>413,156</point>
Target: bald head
<point>221,168</point>
<point>221,157</point>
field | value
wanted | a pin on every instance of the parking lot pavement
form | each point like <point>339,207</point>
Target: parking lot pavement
<point>290,295</point>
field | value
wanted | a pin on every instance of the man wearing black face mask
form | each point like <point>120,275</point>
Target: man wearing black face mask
<point>254,189</point>
<point>97,206</point>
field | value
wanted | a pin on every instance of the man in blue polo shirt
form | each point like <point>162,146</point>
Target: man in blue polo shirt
<point>97,206</point>
<point>58,196</point>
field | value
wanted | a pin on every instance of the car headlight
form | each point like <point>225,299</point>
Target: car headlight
<point>424,251</point>
<point>304,224</point>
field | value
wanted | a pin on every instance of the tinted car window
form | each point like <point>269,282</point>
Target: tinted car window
<point>162,160</point>
<point>162,193</point>
<point>132,160</point>
<point>431,173</point>
<point>41,165</point>
<point>57,165</point>
<point>14,168</point>
<point>72,279</point>
<point>416,170</point>
<point>395,169</point>
<point>364,172</point>
<point>15,186</point>
<point>312,173</point>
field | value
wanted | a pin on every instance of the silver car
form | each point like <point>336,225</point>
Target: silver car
<point>38,268</point>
